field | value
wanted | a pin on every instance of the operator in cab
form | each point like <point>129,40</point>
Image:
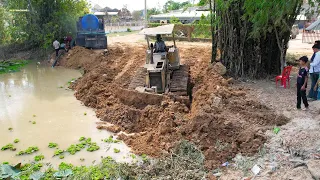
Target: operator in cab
<point>159,45</point>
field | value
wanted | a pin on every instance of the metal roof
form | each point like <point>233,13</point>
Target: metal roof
<point>165,29</point>
<point>314,26</point>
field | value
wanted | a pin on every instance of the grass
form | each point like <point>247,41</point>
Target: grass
<point>11,66</point>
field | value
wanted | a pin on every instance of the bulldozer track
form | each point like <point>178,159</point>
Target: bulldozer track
<point>139,78</point>
<point>180,80</point>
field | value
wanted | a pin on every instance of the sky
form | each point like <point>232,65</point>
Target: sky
<point>132,4</point>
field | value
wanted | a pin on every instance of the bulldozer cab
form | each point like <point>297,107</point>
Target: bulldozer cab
<point>171,53</point>
<point>159,65</point>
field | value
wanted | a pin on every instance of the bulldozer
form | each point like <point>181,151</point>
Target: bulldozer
<point>162,72</point>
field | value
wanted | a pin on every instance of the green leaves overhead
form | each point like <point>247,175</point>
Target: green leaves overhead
<point>40,21</point>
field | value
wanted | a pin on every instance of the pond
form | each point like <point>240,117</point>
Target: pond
<point>37,108</point>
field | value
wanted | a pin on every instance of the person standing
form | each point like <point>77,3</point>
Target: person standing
<point>56,46</point>
<point>302,80</point>
<point>314,72</point>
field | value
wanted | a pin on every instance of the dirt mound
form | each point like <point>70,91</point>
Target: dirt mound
<point>221,120</point>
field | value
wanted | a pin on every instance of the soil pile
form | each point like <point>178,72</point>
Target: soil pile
<point>221,120</point>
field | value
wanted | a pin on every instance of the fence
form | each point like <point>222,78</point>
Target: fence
<point>190,32</point>
<point>123,26</point>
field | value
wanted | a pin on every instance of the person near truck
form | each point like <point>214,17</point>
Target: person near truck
<point>56,46</point>
<point>314,72</point>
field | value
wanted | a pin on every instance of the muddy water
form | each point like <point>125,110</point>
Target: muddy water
<point>59,117</point>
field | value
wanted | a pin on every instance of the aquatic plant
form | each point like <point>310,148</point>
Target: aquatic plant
<point>11,66</point>
<point>111,140</point>
<point>39,157</point>
<point>58,152</point>
<point>93,147</point>
<point>16,141</point>
<point>8,147</point>
<point>52,145</point>
<point>115,150</point>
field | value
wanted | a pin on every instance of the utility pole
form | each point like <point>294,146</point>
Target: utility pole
<point>145,14</point>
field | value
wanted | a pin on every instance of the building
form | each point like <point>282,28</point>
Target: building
<point>185,16</point>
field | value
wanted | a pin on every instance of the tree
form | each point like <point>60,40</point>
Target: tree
<point>153,11</point>
<point>45,20</point>
<point>175,20</point>
<point>136,15</point>
<point>203,2</point>
<point>172,5</point>
<point>252,39</point>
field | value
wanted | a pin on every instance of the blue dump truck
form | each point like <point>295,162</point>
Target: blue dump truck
<point>91,32</point>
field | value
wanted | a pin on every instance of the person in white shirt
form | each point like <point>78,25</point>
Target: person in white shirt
<point>56,46</point>
<point>315,71</point>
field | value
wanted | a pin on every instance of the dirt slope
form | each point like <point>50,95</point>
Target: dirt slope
<point>220,120</point>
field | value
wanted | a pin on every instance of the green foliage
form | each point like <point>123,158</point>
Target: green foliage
<point>52,145</point>
<point>175,20</point>
<point>39,157</point>
<point>115,150</point>
<point>153,11</point>
<point>16,141</point>
<point>29,150</point>
<point>8,147</point>
<point>44,20</point>
<point>111,140</point>
<point>283,12</point>
<point>93,147</point>
<point>10,128</point>
<point>202,28</point>
<point>58,152</point>
<point>5,31</point>
<point>144,157</point>
<point>203,2</point>
<point>34,122</point>
<point>37,167</point>
<point>11,66</point>
<point>173,5</point>
<point>82,138</point>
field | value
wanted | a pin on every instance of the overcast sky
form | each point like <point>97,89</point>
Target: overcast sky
<point>132,4</point>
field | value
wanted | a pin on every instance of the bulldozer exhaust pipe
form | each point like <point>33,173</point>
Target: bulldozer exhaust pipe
<point>151,57</point>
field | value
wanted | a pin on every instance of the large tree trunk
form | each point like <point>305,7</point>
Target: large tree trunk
<point>245,56</point>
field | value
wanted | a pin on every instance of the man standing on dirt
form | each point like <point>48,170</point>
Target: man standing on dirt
<point>56,46</point>
<point>302,80</point>
<point>314,72</point>
<point>159,45</point>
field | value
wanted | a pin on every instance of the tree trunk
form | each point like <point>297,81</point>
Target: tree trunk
<point>245,56</point>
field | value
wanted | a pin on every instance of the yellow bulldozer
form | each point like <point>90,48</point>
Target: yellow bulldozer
<point>162,72</point>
